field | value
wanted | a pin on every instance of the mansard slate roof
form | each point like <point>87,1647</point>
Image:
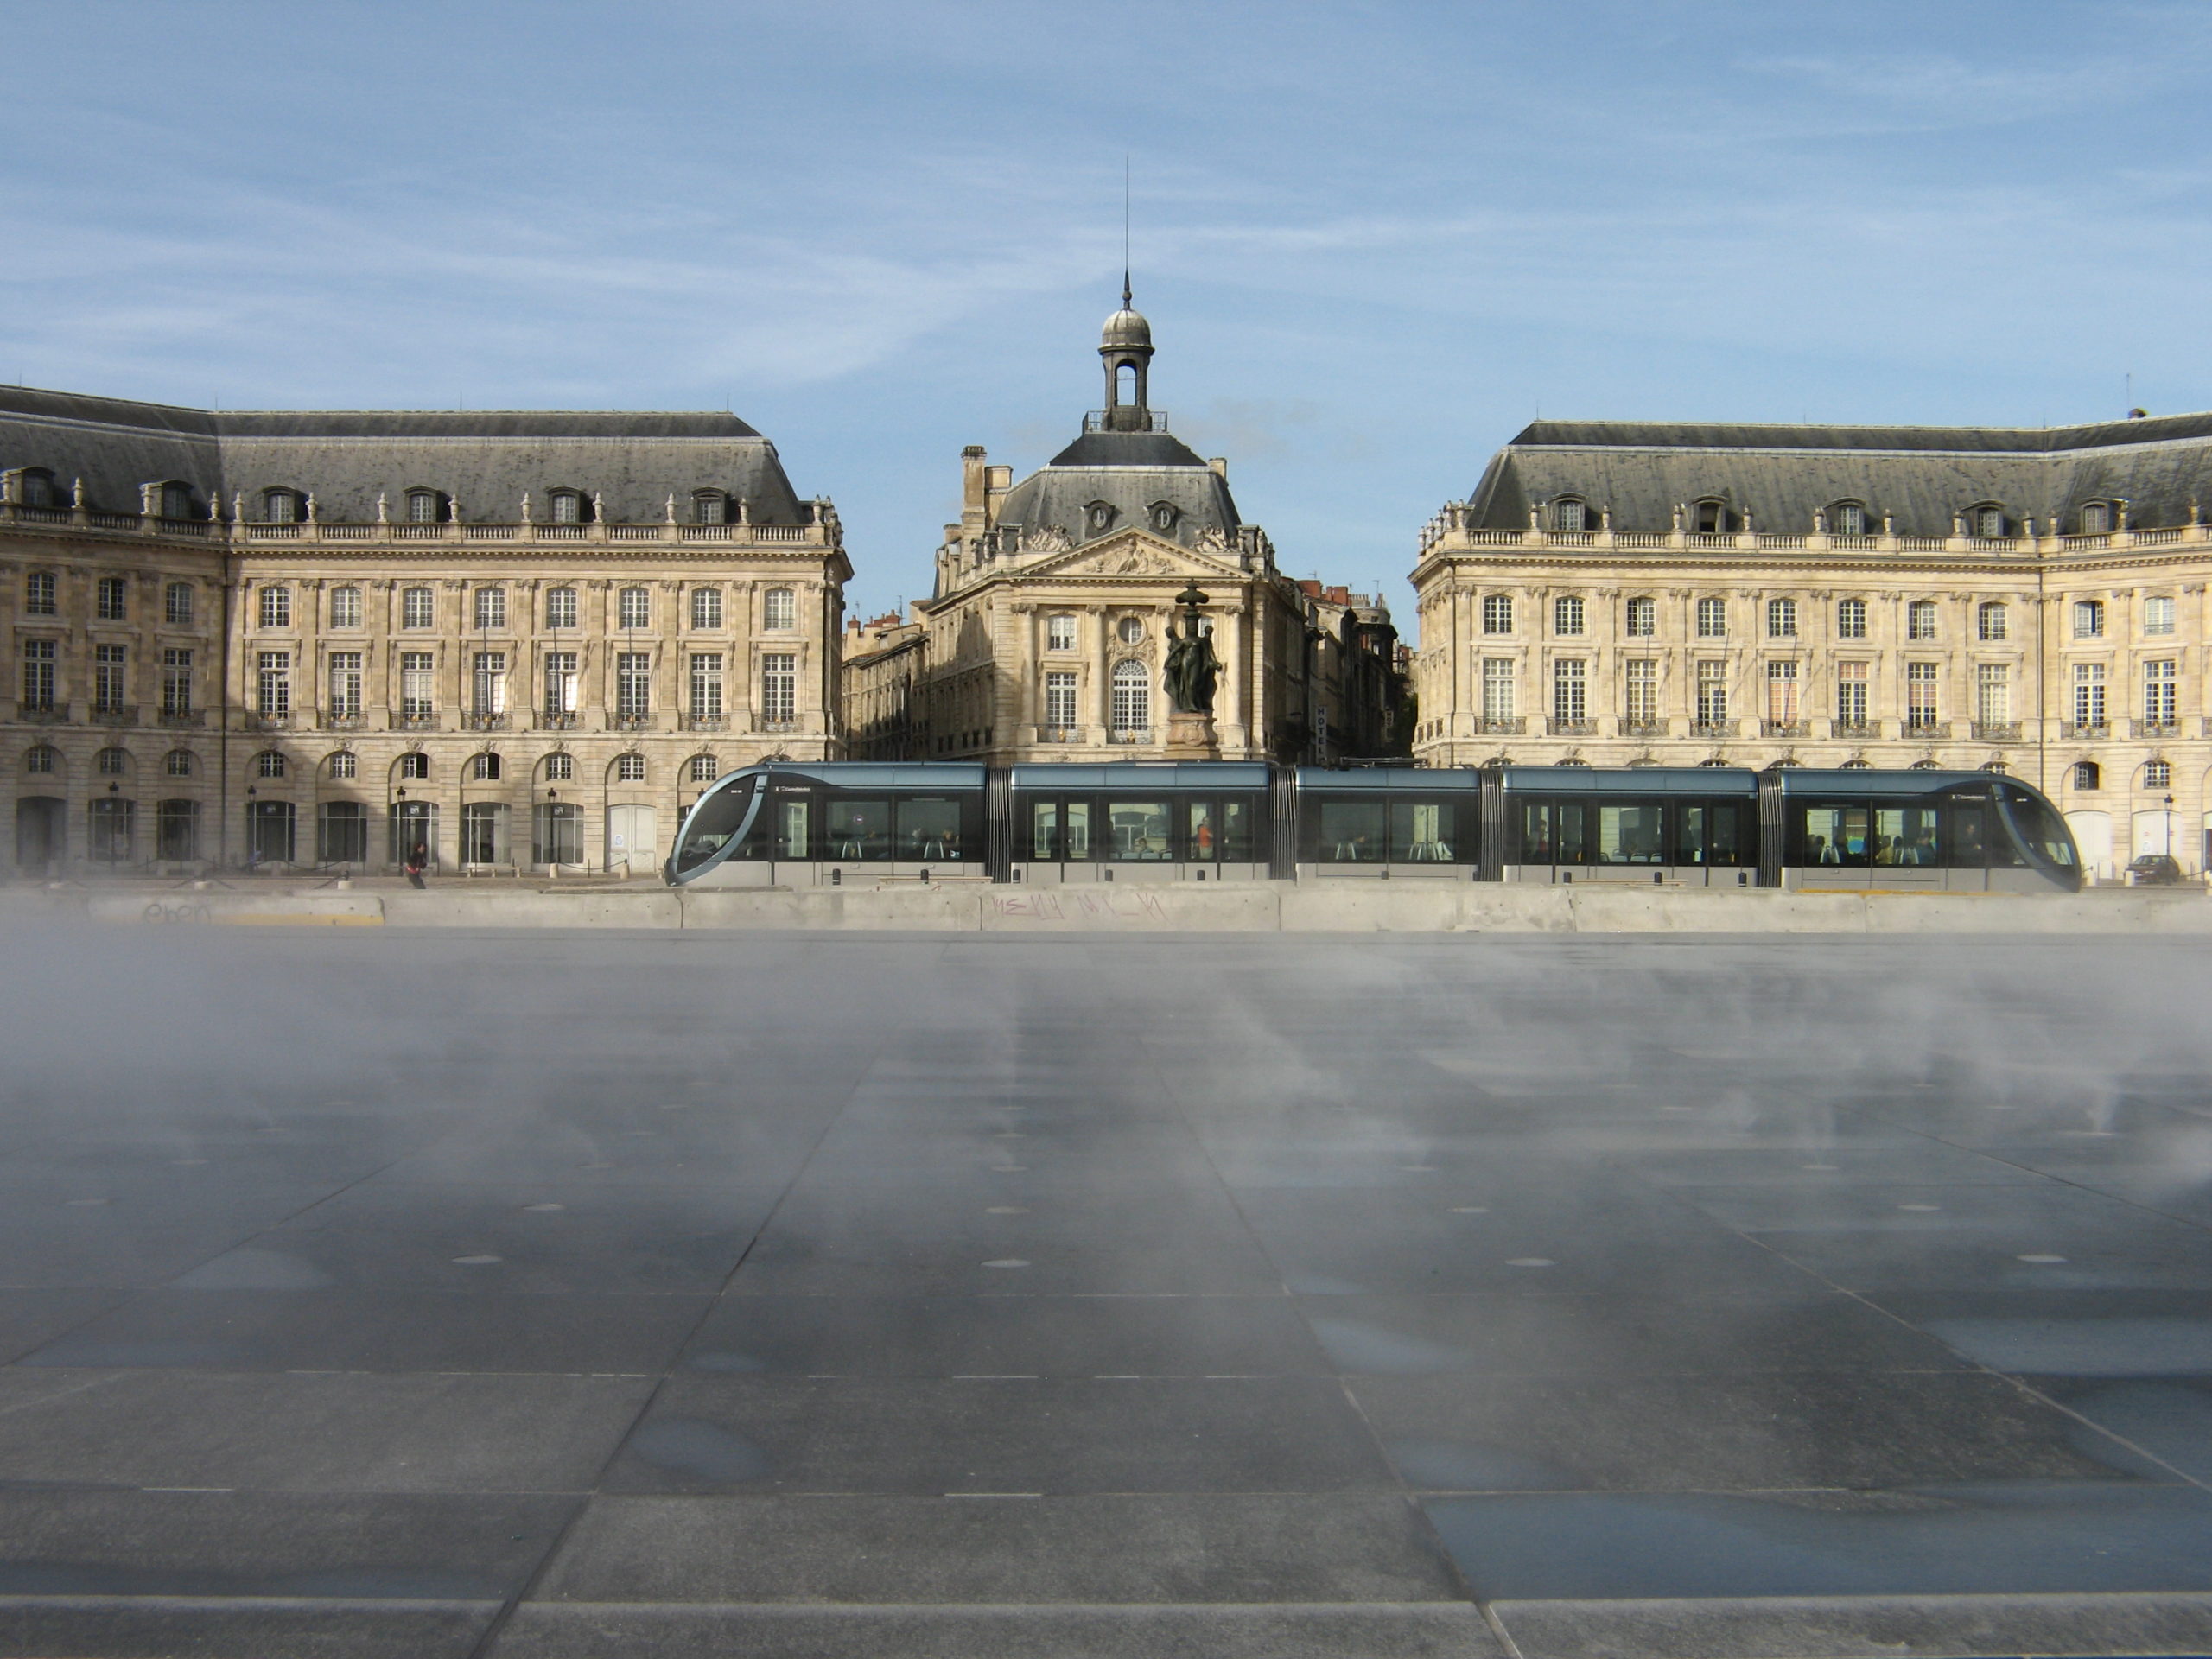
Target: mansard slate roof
<point>1131,472</point>
<point>1922,476</point>
<point>484,459</point>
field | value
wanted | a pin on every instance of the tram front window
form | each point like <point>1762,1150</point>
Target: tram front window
<point>713,823</point>
<point>1142,829</point>
<point>1630,834</point>
<point>928,828</point>
<point>2041,828</point>
<point>1352,832</point>
<point>859,829</point>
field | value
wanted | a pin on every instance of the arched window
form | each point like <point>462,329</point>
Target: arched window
<point>704,769</point>
<point>1643,618</point>
<point>568,507</point>
<point>634,609</point>
<point>42,758</point>
<point>1848,518</point>
<point>1130,698</point>
<point>709,507</point>
<point>2157,774</point>
<point>178,763</point>
<point>414,764</point>
<point>2096,518</point>
<point>1715,761</point>
<point>706,608</point>
<point>1163,515</point>
<point>629,769</point>
<point>425,507</point>
<point>1998,767</point>
<point>417,608</point>
<point>1710,517</point>
<point>2087,775</point>
<point>111,763</point>
<point>1571,514</point>
<point>269,764</point>
<point>343,763</point>
<point>779,610</point>
<point>1987,521</point>
<point>283,506</point>
<point>483,768</point>
<point>1857,763</point>
<point>560,768</point>
<point>1990,621</point>
<point>1099,516</point>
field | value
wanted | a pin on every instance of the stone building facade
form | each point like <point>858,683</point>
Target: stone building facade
<point>2029,601</point>
<point>521,640</point>
<point>1046,634</point>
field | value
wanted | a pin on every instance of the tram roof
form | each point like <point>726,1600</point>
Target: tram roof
<point>1136,774</point>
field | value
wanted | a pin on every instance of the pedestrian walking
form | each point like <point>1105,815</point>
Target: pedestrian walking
<point>418,856</point>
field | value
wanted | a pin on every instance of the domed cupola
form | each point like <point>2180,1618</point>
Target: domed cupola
<point>1125,344</point>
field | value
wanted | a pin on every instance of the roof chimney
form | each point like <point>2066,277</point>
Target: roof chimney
<point>974,519</point>
<point>1218,466</point>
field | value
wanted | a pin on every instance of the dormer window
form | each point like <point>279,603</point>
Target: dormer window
<point>38,489</point>
<point>2096,518</point>
<point>1848,518</point>
<point>709,507</point>
<point>568,507</point>
<point>424,506</point>
<point>282,506</point>
<point>1164,516</point>
<point>177,501</point>
<point>1709,518</point>
<point>1987,521</point>
<point>1099,516</point>
<point>1570,514</point>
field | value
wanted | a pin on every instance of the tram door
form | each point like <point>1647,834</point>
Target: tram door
<point>1052,841</point>
<point>633,837</point>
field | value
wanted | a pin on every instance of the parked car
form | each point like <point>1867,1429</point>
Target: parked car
<point>2155,870</point>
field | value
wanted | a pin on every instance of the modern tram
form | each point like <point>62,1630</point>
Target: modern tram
<point>794,823</point>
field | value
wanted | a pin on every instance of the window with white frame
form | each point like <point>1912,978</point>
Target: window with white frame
<point>561,679</point>
<point>1990,622</point>
<point>1848,518</point>
<point>38,674</point>
<point>272,692</point>
<point>633,685</point>
<point>1712,693</point>
<point>2158,693</point>
<point>1782,619</point>
<point>1129,698</point>
<point>1060,700</point>
<point>178,763</point>
<point>560,768</point>
<point>2086,774</point>
<point>2088,618</point>
<point>483,768</point>
<point>414,764</point>
<point>1920,619</point>
<point>1989,523</point>
<point>2158,613</point>
<point>2157,774</point>
<point>709,507</point>
<point>344,764</point>
<point>345,607</point>
<point>422,506</point>
<point>1782,693</point>
<point>1059,633</point>
<point>491,608</point>
<point>1498,680</point>
<point>2088,694</point>
<point>2096,518</point>
<point>1851,619</point>
<point>779,610</point>
<point>269,764</point>
<point>560,608</point>
<point>1570,515</point>
<point>1498,614</point>
<point>276,608</point>
<point>38,593</point>
<point>1851,682</point>
<point>1643,618</point>
<point>1570,700</point>
<point>176,682</point>
<point>111,600</point>
<point>417,608</point>
<point>280,506</point>
<point>1566,616</point>
<point>345,685</point>
<point>1712,619</point>
<point>177,604</point>
<point>1642,685</point>
<point>111,763</point>
<point>706,608</point>
<point>634,609</point>
<point>110,678</point>
<point>705,684</point>
<point>629,769</point>
<point>488,684</point>
<point>779,687</point>
<point>568,507</point>
<point>1920,699</point>
<point>44,757</point>
<point>704,769</point>
<point>417,685</point>
<point>1992,693</point>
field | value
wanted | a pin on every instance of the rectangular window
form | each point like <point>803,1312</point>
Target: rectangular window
<point>178,604</point>
<point>1566,616</point>
<point>1642,702</point>
<point>2158,693</point>
<point>1569,700</point>
<point>345,607</point>
<point>2088,618</point>
<point>634,609</point>
<point>345,685</point>
<point>1920,705</point>
<point>491,608</point>
<point>176,683</point>
<point>1850,619</point>
<point>110,678</point>
<point>38,593</point>
<point>1992,693</point>
<point>1060,700</point>
<point>2088,694</point>
<point>1850,519</point>
<point>1851,679</point>
<point>1920,619</point>
<point>417,685</point>
<point>779,610</point>
<point>1782,693</point>
<point>341,833</point>
<point>112,599</point>
<point>276,608</point>
<point>38,674</point>
<point>1060,635</point>
<point>1990,622</point>
<point>2158,614</point>
<point>1498,614</point>
<point>1712,693</point>
<point>780,686</point>
<point>1782,619</point>
<point>561,683</point>
<point>1643,618</point>
<point>1712,619</point>
<point>706,608</point>
<point>633,685</point>
<point>560,608</point>
<point>488,686</point>
<point>417,608</point>
<point>272,692</point>
<point>1497,688</point>
<point>705,684</point>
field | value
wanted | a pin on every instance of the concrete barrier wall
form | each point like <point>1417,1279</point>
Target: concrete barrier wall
<point>1257,908</point>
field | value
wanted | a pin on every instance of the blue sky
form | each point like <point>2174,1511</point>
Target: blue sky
<point>1374,239</point>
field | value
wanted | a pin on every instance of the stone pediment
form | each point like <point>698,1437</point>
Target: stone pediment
<point>1135,554</point>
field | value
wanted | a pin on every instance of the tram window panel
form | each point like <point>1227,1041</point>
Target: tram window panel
<point>1079,831</point>
<point>1044,831</point>
<point>857,830</point>
<point>1235,833</point>
<point>1632,835</point>
<point>1728,838</point>
<point>1537,844</point>
<point>1834,837</point>
<point>1143,830</point>
<point>1966,843</point>
<point>1352,832</point>
<point>1203,843</point>
<point>1423,832</point>
<point>928,828</point>
<point>1905,837</point>
<point>793,817</point>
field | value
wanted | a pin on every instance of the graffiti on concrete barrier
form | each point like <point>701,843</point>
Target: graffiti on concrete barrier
<point>1067,905</point>
<point>158,911</point>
